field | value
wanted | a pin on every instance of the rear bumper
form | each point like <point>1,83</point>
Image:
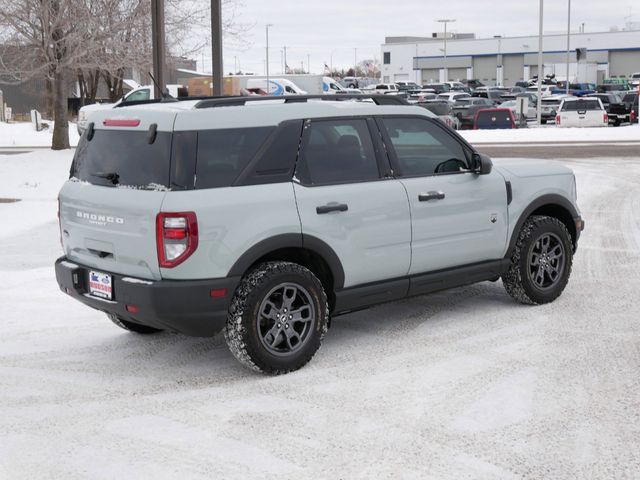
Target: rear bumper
<point>184,306</point>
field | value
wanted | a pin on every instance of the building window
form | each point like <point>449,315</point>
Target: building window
<point>386,58</point>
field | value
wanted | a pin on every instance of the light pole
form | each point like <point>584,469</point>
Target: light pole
<point>286,67</point>
<point>568,43</point>
<point>355,62</point>
<point>540,72</point>
<point>308,63</point>
<point>445,21</point>
<point>266,63</point>
<point>499,78</point>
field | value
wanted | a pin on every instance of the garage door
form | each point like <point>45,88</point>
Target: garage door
<point>457,74</point>
<point>484,69</point>
<point>624,63</point>
<point>430,75</point>
<point>513,69</point>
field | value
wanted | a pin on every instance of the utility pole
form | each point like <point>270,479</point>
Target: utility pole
<point>267,58</point>
<point>568,43</point>
<point>158,40</point>
<point>217,73</point>
<point>540,72</point>
<point>499,78</point>
<point>308,63</point>
<point>285,60</point>
<point>445,21</point>
<point>355,62</point>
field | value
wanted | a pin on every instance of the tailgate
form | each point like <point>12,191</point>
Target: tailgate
<point>111,229</point>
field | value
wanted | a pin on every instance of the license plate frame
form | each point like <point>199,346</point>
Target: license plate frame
<point>100,285</point>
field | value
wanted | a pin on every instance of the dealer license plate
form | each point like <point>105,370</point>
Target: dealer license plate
<point>100,285</point>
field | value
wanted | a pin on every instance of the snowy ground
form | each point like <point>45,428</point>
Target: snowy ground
<point>551,133</point>
<point>22,134</point>
<point>460,384</point>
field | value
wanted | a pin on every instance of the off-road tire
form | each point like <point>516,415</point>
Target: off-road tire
<point>242,331</point>
<point>131,326</point>
<point>517,281</point>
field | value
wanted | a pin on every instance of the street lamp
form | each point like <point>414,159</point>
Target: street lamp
<point>266,63</point>
<point>445,21</point>
<point>540,72</point>
<point>499,61</point>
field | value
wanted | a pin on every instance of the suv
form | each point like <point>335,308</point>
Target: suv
<point>267,217</point>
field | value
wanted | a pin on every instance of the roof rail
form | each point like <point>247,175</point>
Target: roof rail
<point>239,101</point>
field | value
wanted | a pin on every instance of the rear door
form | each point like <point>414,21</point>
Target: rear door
<point>347,199</point>
<point>108,208</point>
<point>458,217</point>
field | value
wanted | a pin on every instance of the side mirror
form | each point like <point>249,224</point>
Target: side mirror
<point>483,164</point>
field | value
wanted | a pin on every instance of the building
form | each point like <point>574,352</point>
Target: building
<point>506,60</point>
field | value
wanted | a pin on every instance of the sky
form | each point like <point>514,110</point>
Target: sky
<point>330,30</point>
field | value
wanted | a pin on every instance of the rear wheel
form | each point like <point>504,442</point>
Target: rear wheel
<point>277,318</point>
<point>541,261</point>
<point>131,326</point>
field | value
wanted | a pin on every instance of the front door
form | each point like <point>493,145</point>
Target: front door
<point>345,200</point>
<point>458,216</point>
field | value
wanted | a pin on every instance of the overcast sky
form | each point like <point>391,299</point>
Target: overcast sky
<point>322,27</point>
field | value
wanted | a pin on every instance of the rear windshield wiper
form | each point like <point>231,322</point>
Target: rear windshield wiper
<point>111,176</point>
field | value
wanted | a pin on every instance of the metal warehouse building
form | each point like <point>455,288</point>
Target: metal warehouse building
<point>506,60</point>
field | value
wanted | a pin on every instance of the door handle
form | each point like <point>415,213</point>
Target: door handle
<point>332,207</point>
<point>425,197</point>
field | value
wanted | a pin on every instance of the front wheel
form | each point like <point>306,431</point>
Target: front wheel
<point>541,261</point>
<point>277,318</point>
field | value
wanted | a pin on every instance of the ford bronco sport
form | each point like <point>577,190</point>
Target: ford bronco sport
<point>265,218</point>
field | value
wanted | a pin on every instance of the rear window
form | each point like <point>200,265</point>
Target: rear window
<point>121,158</point>
<point>223,154</point>
<point>581,106</point>
<point>494,119</point>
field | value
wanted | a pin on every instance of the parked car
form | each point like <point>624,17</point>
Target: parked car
<point>495,96</point>
<point>444,111</point>
<point>406,86</point>
<point>530,114</point>
<point>634,80</point>
<point>457,87</point>
<point>472,84</point>
<point>452,96</point>
<point>465,109</point>
<point>350,82</point>
<point>494,119</point>
<point>618,88</point>
<point>612,103</point>
<point>438,87</point>
<point>624,111</point>
<point>550,106</point>
<point>422,95</point>
<point>582,112</point>
<point>174,219</point>
<point>386,88</point>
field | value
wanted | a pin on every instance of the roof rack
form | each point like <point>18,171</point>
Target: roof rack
<point>239,101</point>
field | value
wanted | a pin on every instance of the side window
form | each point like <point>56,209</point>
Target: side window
<point>138,96</point>
<point>422,148</point>
<point>223,154</point>
<point>337,151</point>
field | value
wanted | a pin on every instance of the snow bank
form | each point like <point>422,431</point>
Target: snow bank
<point>22,134</point>
<point>553,134</point>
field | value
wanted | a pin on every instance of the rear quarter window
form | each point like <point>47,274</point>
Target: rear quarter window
<point>493,119</point>
<point>581,106</point>
<point>223,154</point>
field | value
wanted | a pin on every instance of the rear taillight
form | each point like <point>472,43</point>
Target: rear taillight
<point>557,119</point>
<point>605,118</point>
<point>632,116</point>
<point>176,237</point>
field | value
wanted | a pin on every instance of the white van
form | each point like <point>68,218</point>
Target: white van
<point>582,112</point>
<point>277,87</point>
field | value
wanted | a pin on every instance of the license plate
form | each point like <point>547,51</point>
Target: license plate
<point>100,285</point>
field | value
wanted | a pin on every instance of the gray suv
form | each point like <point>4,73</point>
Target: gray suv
<point>266,218</point>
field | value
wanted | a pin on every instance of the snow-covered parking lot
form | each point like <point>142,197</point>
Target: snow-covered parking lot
<point>460,384</point>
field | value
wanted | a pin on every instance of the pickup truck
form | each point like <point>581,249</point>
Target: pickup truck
<point>626,110</point>
<point>576,89</point>
<point>612,103</point>
<point>145,92</point>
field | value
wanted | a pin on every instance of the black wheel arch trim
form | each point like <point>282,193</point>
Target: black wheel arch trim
<point>550,199</point>
<point>291,240</point>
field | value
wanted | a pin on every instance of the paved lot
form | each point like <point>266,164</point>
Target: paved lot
<point>459,384</point>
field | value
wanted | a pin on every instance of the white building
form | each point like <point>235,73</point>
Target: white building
<point>506,60</point>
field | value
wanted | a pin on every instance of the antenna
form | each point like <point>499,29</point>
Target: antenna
<point>166,96</point>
